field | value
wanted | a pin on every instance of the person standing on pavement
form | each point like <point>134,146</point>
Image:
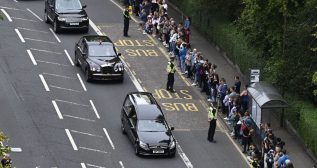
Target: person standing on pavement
<point>182,54</point>
<point>170,75</point>
<point>237,84</point>
<point>145,5</point>
<point>212,119</point>
<point>244,96</point>
<point>6,161</point>
<point>188,61</point>
<point>283,158</point>
<point>127,19</point>
<point>223,95</point>
<point>187,22</point>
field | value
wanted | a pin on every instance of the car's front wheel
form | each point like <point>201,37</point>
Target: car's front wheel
<point>46,17</point>
<point>76,60</point>
<point>56,27</point>
<point>136,148</point>
<point>88,79</point>
<point>122,129</point>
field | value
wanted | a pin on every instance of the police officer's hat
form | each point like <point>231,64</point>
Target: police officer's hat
<point>172,58</point>
<point>127,6</point>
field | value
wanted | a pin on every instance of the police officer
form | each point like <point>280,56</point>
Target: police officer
<point>255,162</point>
<point>170,75</point>
<point>127,18</point>
<point>212,119</point>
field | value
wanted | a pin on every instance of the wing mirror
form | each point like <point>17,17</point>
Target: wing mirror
<point>84,54</point>
<point>172,128</point>
<point>119,54</point>
<point>84,6</point>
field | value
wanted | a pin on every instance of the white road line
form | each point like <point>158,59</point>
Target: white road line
<point>31,30</point>
<point>183,156</point>
<point>55,35</point>
<point>71,139</point>
<point>16,1</point>
<point>7,15</point>
<point>71,61</point>
<point>40,40</point>
<point>72,103</point>
<point>95,110</point>
<point>79,118</point>
<point>94,166</point>
<point>11,8</point>
<point>104,129</point>
<point>121,164</point>
<point>51,63</point>
<point>31,56</point>
<point>34,14</point>
<point>86,134</point>
<point>44,83</point>
<point>83,165</point>
<point>127,69</point>
<point>24,19</point>
<point>44,51</point>
<point>20,36</point>
<point>81,81</point>
<point>57,110</point>
<point>57,87</point>
<point>58,75</point>
<point>95,150</point>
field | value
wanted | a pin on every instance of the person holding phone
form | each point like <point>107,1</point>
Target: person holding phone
<point>6,161</point>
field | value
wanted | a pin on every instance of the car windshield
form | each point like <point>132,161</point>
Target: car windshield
<point>68,4</point>
<point>101,51</point>
<point>152,126</point>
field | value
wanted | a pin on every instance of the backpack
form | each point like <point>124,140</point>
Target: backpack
<point>269,158</point>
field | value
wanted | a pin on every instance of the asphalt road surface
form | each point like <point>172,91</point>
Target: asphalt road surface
<point>59,121</point>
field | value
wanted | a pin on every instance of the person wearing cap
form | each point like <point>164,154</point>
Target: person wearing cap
<point>127,18</point>
<point>170,75</point>
<point>212,119</point>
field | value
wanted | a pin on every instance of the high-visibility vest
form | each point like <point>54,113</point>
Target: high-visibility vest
<point>169,67</point>
<point>210,113</point>
<point>124,15</point>
<point>257,164</point>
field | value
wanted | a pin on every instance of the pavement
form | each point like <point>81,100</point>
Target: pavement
<point>60,122</point>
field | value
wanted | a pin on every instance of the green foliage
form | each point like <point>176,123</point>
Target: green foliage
<point>2,149</point>
<point>315,82</point>
<point>1,17</point>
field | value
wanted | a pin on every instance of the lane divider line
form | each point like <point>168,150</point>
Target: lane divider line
<point>104,129</point>
<point>128,64</point>
<point>95,110</point>
<point>86,133</point>
<point>95,150</point>
<point>55,35</point>
<point>238,149</point>
<point>31,56</point>
<point>57,87</point>
<point>44,51</point>
<point>51,63</point>
<point>63,101</point>
<point>83,165</point>
<point>11,8</point>
<point>81,81</point>
<point>7,15</point>
<point>95,166</point>
<point>44,83</point>
<point>99,27</point>
<point>58,75</point>
<point>71,61</point>
<point>121,164</point>
<point>92,24</point>
<point>31,30</point>
<point>79,118</point>
<point>20,36</point>
<point>71,139</point>
<point>24,19</point>
<point>57,110</point>
<point>34,14</point>
<point>40,40</point>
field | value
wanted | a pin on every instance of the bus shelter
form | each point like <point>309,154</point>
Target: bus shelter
<point>262,98</point>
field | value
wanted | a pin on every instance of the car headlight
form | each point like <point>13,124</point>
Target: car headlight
<point>84,18</point>
<point>172,144</point>
<point>61,19</point>
<point>142,144</point>
<point>95,69</point>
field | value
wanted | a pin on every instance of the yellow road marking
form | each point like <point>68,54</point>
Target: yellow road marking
<point>151,38</point>
<point>116,48</point>
<point>128,64</point>
<point>238,149</point>
<point>139,81</point>
<point>122,56</point>
<point>99,27</point>
<point>207,108</point>
<point>104,33</point>
<point>133,72</point>
<point>144,89</point>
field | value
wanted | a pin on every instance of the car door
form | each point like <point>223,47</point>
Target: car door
<point>132,124</point>
<point>78,49</point>
<point>83,56</point>
<point>125,112</point>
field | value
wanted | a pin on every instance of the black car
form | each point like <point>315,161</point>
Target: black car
<point>144,123</point>
<point>66,14</point>
<point>97,56</point>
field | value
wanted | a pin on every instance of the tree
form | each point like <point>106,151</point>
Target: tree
<point>2,149</point>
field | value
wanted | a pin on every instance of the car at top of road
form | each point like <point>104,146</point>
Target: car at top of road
<point>98,57</point>
<point>143,121</point>
<point>66,14</point>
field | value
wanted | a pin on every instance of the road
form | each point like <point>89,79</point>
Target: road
<point>59,121</point>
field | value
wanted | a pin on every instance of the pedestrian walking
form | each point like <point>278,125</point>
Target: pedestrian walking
<point>170,75</point>
<point>127,19</point>
<point>212,119</point>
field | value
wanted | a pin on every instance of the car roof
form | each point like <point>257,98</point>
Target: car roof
<point>96,38</point>
<point>149,112</point>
